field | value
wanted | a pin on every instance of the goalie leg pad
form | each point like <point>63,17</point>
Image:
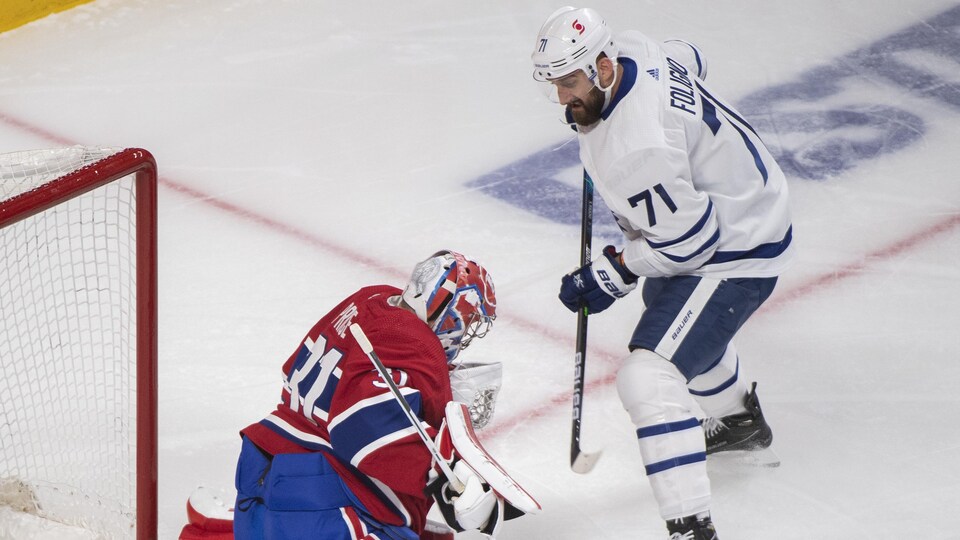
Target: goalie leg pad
<point>430,535</point>
<point>435,528</point>
<point>209,510</point>
<point>193,532</point>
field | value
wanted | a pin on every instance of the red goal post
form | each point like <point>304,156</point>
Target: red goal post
<point>85,217</point>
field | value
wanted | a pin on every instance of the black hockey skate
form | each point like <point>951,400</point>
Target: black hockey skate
<point>691,528</point>
<point>744,432</point>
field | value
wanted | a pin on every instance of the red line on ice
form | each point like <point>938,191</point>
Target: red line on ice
<point>779,300</point>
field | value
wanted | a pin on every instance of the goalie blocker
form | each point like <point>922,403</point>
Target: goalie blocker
<point>490,495</point>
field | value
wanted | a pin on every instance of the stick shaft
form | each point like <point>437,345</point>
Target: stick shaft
<point>580,360</point>
<point>367,347</point>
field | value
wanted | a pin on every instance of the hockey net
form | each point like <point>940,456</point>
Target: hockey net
<point>78,339</point>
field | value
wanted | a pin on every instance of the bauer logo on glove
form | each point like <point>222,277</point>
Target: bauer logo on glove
<point>598,284</point>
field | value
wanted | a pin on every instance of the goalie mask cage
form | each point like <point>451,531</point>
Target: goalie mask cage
<point>78,346</point>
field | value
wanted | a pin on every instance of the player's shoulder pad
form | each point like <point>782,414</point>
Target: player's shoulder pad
<point>687,54</point>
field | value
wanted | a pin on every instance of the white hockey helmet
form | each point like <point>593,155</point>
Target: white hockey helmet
<point>454,295</point>
<point>571,39</point>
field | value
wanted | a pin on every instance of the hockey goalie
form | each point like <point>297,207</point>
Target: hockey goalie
<point>361,451</point>
<point>489,497</point>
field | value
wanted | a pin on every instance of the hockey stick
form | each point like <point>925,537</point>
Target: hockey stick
<point>367,347</point>
<point>580,461</point>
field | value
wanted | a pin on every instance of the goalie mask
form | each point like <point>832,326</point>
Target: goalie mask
<point>455,297</point>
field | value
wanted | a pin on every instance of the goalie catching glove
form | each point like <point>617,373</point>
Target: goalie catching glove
<point>489,494</point>
<point>477,385</point>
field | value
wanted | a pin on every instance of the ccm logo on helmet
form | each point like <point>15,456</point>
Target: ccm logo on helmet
<point>577,26</point>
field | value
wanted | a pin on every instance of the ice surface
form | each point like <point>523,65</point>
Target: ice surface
<point>309,148</point>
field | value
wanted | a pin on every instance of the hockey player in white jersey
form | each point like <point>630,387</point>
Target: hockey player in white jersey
<point>703,209</point>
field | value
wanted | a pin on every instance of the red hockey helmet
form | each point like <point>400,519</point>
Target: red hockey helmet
<point>454,295</point>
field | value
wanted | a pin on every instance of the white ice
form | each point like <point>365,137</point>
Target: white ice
<point>308,148</point>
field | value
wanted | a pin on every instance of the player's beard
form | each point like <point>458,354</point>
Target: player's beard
<point>587,110</point>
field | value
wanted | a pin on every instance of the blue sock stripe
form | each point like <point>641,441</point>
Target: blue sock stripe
<point>661,466</point>
<point>669,427</point>
<point>726,384</point>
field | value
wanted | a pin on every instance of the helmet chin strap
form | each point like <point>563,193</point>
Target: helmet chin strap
<point>608,91</point>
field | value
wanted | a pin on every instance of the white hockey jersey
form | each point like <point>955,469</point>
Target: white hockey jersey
<point>690,183</point>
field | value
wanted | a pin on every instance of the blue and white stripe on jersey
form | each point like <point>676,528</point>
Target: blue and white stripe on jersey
<point>770,250</point>
<point>694,231</point>
<point>388,493</point>
<point>688,54</point>
<point>286,430</point>
<point>371,424</point>
<point>710,106</point>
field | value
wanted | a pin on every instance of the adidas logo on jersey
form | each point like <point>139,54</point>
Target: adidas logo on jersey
<point>655,73</point>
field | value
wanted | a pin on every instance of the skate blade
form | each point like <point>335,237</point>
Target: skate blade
<point>764,457</point>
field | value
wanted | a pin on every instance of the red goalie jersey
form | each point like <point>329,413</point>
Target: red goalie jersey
<point>334,402</point>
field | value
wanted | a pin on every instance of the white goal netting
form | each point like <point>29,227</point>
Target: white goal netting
<point>68,341</point>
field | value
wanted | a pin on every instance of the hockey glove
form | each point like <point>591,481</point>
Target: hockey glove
<point>477,385</point>
<point>476,507</point>
<point>598,284</point>
<point>490,495</point>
